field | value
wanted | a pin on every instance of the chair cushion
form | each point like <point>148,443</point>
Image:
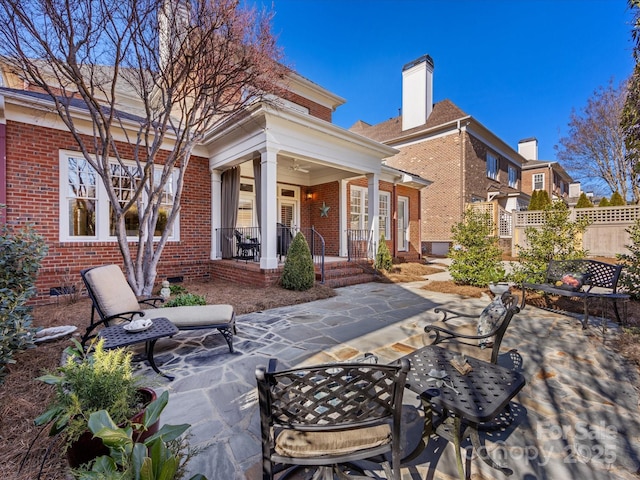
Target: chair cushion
<point>295,443</point>
<point>194,316</point>
<point>112,291</point>
<point>489,320</point>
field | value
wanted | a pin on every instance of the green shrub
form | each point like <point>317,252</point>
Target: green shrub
<point>476,256</point>
<point>604,202</point>
<point>617,200</point>
<point>185,300</point>
<point>21,251</point>
<point>558,238</point>
<point>630,277</point>
<point>384,261</point>
<point>583,201</point>
<point>90,381</point>
<point>177,289</point>
<point>298,273</point>
<point>543,200</point>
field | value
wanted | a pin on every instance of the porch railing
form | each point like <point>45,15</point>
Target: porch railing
<point>316,245</point>
<point>241,243</point>
<point>244,243</point>
<point>359,245</point>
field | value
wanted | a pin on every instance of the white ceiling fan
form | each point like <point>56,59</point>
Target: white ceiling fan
<point>296,167</point>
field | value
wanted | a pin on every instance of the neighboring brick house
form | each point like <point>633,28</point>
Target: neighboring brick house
<point>307,165</point>
<point>542,174</point>
<point>465,161</point>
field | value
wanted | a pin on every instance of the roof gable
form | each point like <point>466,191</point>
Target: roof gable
<point>443,112</point>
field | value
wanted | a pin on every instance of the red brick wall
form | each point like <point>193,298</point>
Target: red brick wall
<point>315,109</point>
<point>33,197</point>
<point>329,226</point>
<point>438,160</point>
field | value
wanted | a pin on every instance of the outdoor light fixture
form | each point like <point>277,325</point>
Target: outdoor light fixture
<point>309,195</point>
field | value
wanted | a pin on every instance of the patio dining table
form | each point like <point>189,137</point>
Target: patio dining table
<point>464,400</point>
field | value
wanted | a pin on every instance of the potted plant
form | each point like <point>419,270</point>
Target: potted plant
<point>161,455</point>
<point>497,280</point>
<point>88,382</point>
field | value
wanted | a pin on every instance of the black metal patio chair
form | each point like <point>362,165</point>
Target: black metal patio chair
<point>329,416</point>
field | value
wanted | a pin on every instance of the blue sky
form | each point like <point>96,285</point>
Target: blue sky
<point>517,66</point>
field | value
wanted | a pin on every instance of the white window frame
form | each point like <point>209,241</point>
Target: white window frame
<point>534,182</point>
<point>513,177</point>
<point>363,214</point>
<point>102,233</point>
<point>492,166</point>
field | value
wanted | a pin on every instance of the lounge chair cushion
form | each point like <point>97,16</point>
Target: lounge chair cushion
<point>198,316</point>
<point>114,295</point>
<point>296,443</point>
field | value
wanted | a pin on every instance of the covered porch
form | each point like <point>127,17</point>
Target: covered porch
<point>277,171</point>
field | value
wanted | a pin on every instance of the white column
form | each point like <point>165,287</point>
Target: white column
<point>344,202</point>
<point>374,209</point>
<point>268,213</point>
<point>216,213</point>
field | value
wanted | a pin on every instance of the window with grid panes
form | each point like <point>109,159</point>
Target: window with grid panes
<point>87,212</point>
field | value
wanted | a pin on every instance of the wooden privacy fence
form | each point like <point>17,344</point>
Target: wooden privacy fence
<point>605,236</point>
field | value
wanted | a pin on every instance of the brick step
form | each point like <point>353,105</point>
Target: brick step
<point>343,272</point>
<point>338,282</point>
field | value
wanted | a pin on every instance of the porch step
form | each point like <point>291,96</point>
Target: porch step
<point>342,274</point>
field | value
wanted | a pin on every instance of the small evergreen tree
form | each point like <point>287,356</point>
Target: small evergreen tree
<point>543,200</point>
<point>617,200</point>
<point>583,201</point>
<point>384,261</point>
<point>298,272</point>
<point>558,238</point>
<point>533,204</point>
<point>476,256</point>
<point>630,277</point>
<point>604,202</point>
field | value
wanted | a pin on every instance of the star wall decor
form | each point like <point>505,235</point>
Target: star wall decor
<point>324,210</point>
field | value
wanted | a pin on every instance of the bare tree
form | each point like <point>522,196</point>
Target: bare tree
<point>594,150</point>
<point>159,74</point>
<point>630,121</point>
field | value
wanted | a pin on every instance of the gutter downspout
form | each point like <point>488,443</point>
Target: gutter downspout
<point>463,172</point>
<point>3,162</point>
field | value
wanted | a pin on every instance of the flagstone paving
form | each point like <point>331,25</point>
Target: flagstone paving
<point>577,417</point>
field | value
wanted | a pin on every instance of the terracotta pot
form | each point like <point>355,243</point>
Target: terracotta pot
<point>86,448</point>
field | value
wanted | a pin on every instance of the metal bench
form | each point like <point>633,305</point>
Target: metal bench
<point>588,280</point>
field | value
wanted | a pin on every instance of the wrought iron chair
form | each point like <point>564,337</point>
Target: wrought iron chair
<point>246,248</point>
<point>328,416</point>
<point>463,336</point>
<point>114,302</point>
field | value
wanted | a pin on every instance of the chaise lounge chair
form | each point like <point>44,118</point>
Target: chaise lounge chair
<point>114,301</point>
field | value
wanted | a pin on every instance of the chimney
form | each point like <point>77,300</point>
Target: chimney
<point>417,92</point>
<point>574,190</point>
<point>528,148</point>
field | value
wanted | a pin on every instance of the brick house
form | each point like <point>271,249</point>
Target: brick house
<point>311,173</point>
<point>466,162</point>
<point>542,174</point>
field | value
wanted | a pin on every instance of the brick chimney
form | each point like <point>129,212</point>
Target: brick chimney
<point>417,92</point>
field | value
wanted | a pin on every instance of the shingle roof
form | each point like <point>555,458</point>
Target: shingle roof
<point>443,112</point>
<point>73,102</point>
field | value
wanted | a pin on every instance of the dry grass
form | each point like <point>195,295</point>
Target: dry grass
<point>22,398</point>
